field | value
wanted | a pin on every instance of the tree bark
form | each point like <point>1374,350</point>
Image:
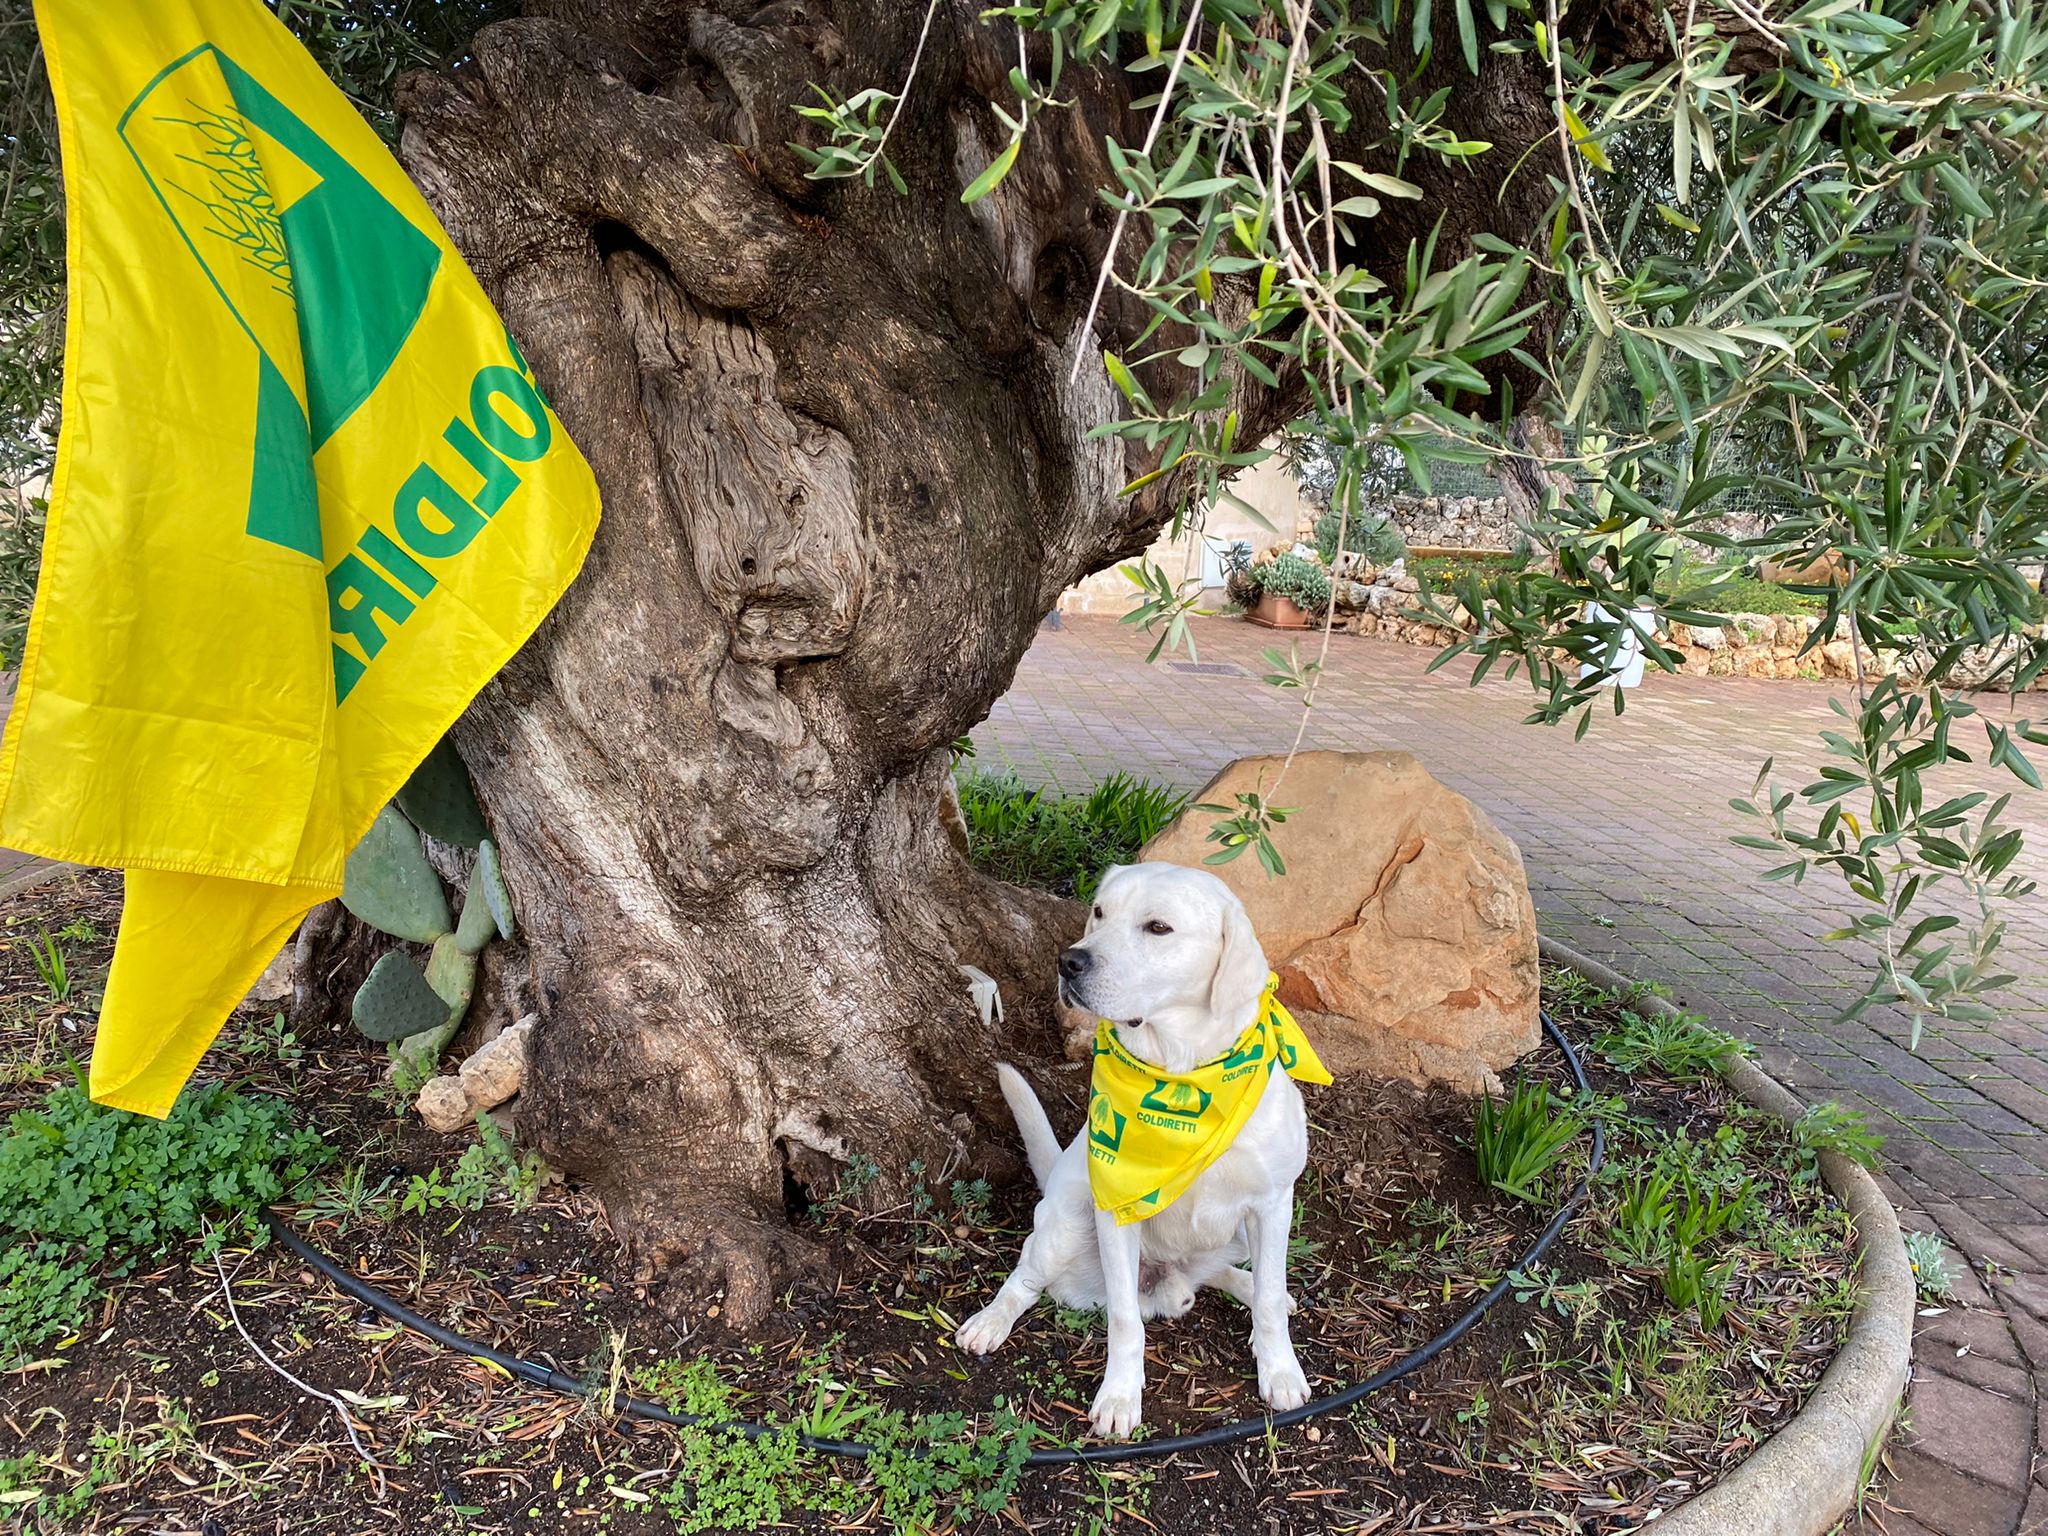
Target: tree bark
<point>845,475</point>
<point>1530,472</point>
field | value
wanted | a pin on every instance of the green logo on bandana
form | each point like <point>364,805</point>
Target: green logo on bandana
<point>1181,1099</point>
<point>1105,1125</point>
<point>1245,1055</point>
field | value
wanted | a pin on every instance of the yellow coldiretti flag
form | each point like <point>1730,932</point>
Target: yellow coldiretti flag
<point>307,501</point>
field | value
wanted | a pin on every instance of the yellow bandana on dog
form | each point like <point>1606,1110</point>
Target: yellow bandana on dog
<point>1152,1132</point>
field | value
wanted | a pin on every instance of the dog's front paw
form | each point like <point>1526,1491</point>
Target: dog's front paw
<point>1117,1411</point>
<point>1282,1384</point>
<point>984,1332</point>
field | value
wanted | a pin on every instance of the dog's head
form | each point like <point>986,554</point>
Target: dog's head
<point>1170,949</point>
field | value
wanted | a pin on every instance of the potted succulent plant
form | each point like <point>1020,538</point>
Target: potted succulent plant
<point>1293,589</point>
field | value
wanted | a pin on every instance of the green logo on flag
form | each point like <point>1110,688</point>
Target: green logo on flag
<point>322,272</point>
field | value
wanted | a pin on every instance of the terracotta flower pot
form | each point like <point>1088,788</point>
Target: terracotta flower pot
<point>1277,612</point>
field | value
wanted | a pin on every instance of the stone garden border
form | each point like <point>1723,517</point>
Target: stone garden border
<point>1751,645</point>
<point>1807,1476</point>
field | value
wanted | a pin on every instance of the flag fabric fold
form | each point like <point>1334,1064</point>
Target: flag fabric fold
<point>308,499</point>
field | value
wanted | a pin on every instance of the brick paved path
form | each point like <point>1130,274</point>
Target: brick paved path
<point>1625,835</point>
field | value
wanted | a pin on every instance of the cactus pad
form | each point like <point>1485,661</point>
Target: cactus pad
<point>490,875</point>
<point>439,800</point>
<point>396,1001</point>
<point>451,976</point>
<point>390,885</point>
<point>478,925</point>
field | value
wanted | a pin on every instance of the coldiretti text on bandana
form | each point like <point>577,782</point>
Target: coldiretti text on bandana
<point>1151,1133</point>
<point>308,499</point>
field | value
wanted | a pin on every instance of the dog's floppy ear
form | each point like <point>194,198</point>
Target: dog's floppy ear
<point>1240,968</point>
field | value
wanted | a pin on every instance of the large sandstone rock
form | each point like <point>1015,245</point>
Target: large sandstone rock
<point>1402,931</point>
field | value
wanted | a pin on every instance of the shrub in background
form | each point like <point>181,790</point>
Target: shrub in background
<point>1060,842</point>
<point>1376,538</point>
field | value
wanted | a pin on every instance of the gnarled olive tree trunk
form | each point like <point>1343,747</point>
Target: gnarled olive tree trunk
<point>845,475</point>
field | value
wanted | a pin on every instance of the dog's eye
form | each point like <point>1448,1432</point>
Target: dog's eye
<point>1098,912</point>
<point>1156,926</point>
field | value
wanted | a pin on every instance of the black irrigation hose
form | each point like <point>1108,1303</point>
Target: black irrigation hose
<point>1224,1434</point>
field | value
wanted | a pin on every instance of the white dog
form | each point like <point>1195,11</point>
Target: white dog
<point>1169,957</point>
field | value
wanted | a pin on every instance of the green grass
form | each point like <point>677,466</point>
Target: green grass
<point>1057,842</point>
<point>1749,594</point>
<point>1439,573</point>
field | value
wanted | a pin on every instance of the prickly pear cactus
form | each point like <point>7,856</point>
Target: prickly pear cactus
<point>438,800</point>
<point>389,884</point>
<point>396,1002</point>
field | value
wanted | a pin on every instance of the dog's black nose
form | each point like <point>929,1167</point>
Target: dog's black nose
<point>1074,962</point>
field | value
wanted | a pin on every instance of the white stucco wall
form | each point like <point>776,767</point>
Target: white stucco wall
<point>1270,487</point>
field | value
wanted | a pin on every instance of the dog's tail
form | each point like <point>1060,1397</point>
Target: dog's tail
<point>1041,1146</point>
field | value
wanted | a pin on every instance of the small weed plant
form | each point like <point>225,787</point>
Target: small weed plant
<point>51,965</point>
<point>1677,1045</point>
<point>860,1175</point>
<point>1674,1207</point>
<point>835,1410</point>
<point>1930,1266</point>
<point>1521,1138</point>
<point>88,1192</point>
<point>491,1166</point>
<point>971,1200</point>
<point>1667,1210</point>
<point>349,1195</point>
<point>935,1468</point>
<point>1576,1301</point>
<point>927,1472</point>
<point>1830,1127</point>
<point>1078,1321</point>
<point>1692,1283</point>
<point>273,1040</point>
<point>685,1386</point>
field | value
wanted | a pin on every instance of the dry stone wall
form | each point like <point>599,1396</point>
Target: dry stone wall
<point>1383,603</point>
<point>1451,522</point>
